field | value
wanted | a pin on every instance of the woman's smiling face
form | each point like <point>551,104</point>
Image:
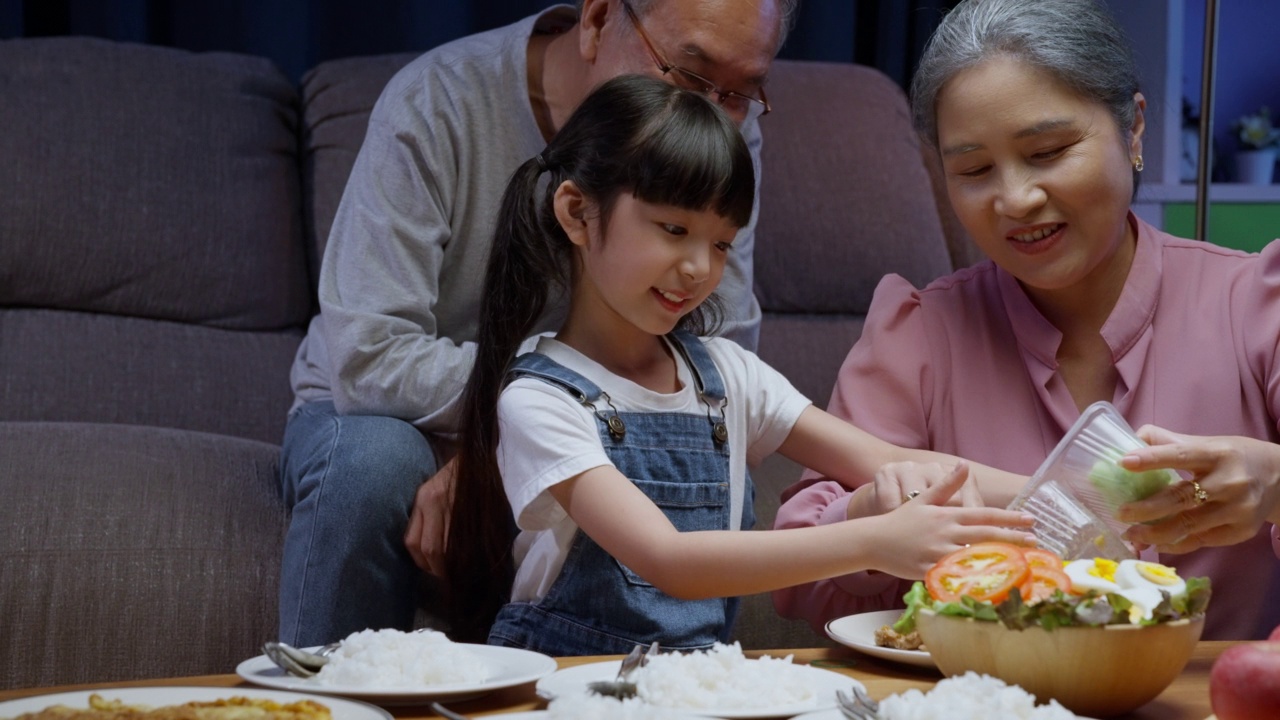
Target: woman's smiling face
<point>1039,175</point>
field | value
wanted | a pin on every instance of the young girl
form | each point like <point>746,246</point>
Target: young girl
<point>621,444</point>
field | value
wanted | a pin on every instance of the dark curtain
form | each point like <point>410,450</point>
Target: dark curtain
<point>297,34</point>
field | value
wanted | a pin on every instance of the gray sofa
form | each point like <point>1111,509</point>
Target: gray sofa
<point>162,214</point>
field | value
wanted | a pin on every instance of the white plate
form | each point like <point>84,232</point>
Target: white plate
<point>823,682</point>
<point>176,695</point>
<point>859,632</point>
<point>511,666</point>
<point>837,715</point>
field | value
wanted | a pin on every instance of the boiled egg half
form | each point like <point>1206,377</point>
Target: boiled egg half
<point>1142,574</point>
<point>1092,574</point>
<point>1144,599</point>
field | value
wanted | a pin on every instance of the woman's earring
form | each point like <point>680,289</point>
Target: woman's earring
<point>1137,164</point>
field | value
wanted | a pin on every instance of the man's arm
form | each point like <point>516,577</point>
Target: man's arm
<point>737,287</point>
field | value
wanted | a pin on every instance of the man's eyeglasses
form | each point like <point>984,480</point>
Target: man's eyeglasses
<point>734,102</point>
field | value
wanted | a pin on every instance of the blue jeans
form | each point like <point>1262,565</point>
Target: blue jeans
<point>349,481</point>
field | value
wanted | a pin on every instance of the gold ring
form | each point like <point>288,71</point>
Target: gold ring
<point>1200,495</point>
<point>911,495</point>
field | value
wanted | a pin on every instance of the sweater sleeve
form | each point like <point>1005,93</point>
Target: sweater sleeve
<point>737,285</point>
<point>380,279</point>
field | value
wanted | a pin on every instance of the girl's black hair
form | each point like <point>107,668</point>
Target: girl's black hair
<point>633,134</point>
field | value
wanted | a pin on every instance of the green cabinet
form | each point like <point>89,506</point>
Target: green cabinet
<point>1244,226</point>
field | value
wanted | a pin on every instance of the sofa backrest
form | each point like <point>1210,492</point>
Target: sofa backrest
<point>845,199</point>
<point>152,263</point>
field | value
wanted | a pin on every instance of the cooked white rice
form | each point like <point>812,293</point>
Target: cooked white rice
<point>970,697</point>
<point>596,707</point>
<point>722,678</point>
<point>395,659</point>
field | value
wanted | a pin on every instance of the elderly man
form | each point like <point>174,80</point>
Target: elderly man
<point>378,377</point>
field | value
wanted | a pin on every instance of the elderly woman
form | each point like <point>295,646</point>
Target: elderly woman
<point>1033,107</point>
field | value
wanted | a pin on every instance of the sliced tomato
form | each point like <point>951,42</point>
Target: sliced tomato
<point>1041,582</point>
<point>984,571</point>
<point>1038,557</point>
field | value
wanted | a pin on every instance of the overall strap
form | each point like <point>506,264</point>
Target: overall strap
<point>535,364</point>
<point>706,379</point>
<point>544,368</point>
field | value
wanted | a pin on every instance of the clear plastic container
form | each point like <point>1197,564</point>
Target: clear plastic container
<point>1075,493</point>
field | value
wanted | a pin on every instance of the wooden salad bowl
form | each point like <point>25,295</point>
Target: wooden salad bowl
<point>1092,671</point>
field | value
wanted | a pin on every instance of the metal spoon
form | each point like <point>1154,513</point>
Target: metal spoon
<point>297,662</point>
<point>300,662</point>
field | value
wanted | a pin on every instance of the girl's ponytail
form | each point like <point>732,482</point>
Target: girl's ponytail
<point>526,263</point>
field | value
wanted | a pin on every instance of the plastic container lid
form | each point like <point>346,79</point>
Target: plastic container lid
<point>1075,493</point>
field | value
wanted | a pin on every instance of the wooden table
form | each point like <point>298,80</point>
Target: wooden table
<point>1186,699</point>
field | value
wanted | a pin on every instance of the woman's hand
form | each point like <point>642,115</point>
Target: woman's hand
<point>898,482</point>
<point>928,526</point>
<point>1234,489</point>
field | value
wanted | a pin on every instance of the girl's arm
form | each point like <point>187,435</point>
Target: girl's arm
<point>715,563</point>
<point>849,455</point>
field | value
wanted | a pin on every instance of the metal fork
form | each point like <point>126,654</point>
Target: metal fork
<point>858,706</point>
<point>621,687</point>
<point>446,713</point>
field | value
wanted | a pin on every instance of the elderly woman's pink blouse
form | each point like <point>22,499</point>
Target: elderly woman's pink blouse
<point>967,366</point>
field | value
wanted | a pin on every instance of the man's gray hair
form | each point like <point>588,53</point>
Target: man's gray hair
<point>787,8</point>
<point>1075,41</point>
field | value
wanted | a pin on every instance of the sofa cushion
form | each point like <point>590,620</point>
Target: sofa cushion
<point>845,198</point>
<point>133,552</point>
<point>150,182</point>
<point>88,367</point>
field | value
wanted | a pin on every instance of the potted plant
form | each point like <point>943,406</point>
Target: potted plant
<point>1259,139</point>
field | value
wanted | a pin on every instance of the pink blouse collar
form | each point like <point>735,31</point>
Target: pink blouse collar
<point>1125,331</point>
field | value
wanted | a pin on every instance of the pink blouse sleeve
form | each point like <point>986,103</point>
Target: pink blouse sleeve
<point>878,389</point>
<point>1260,324</point>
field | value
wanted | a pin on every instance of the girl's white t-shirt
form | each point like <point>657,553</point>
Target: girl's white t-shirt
<point>547,437</point>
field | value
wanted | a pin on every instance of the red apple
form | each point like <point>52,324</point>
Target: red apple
<point>1275,634</point>
<point>1244,683</point>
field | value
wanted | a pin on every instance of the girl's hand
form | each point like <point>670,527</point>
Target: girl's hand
<point>920,531</point>
<point>898,482</point>
<point>1239,480</point>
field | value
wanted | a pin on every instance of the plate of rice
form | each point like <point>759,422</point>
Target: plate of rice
<point>390,667</point>
<point>964,697</point>
<point>720,682</point>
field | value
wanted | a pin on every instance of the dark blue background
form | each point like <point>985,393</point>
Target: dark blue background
<point>298,34</point>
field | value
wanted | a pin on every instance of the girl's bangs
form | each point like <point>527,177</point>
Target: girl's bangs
<point>702,165</point>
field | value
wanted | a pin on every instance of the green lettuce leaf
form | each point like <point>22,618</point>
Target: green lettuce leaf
<point>1119,486</point>
<point>1058,610</point>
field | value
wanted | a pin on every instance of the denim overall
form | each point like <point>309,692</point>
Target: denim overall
<point>597,605</point>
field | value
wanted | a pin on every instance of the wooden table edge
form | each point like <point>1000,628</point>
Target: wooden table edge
<point>1186,699</point>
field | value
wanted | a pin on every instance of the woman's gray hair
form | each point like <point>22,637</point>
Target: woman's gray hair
<point>1075,41</point>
